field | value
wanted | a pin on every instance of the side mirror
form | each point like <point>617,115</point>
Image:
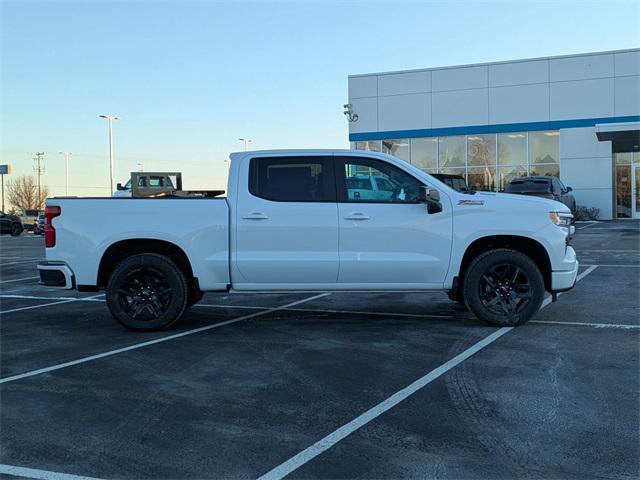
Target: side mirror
<point>119,186</point>
<point>569,189</point>
<point>431,197</point>
<point>426,195</point>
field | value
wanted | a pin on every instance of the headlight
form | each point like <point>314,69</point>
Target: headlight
<point>562,219</point>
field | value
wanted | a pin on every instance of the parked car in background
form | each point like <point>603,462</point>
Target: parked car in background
<point>364,187</point>
<point>29,219</point>
<point>10,224</point>
<point>457,182</point>
<point>545,187</point>
<point>38,228</point>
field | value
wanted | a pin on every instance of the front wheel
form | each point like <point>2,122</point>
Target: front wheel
<point>147,292</point>
<point>503,287</point>
<point>16,230</point>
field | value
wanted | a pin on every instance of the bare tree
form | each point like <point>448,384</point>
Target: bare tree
<point>22,192</point>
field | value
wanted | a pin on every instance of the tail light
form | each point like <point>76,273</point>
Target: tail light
<point>49,232</point>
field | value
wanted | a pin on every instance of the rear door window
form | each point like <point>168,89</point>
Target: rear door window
<point>292,179</point>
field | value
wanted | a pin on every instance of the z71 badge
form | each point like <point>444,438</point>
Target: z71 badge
<point>470,202</point>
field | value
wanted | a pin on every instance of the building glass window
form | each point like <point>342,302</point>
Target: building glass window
<point>544,147</point>
<point>424,153</point>
<point>624,188</point>
<point>397,148</point>
<point>512,148</point>
<point>545,170</point>
<point>481,150</point>
<point>485,161</point>
<point>452,152</point>
<point>370,145</point>
<point>482,178</point>
<point>506,174</point>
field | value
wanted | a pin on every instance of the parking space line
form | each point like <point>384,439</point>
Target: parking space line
<point>322,310</point>
<point>18,279</point>
<point>42,305</point>
<point>347,429</point>
<point>155,341</point>
<point>39,474</point>
<point>587,324</point>
<point>612,265</point>
<point>21,261</point>
<point>334,437</point>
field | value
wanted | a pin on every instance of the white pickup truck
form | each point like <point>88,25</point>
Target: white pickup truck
<point>291,223</point>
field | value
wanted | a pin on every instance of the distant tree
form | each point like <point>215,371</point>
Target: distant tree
<point>22,193</point>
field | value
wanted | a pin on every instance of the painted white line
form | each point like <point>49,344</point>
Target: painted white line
<point>334,437</point>
<point>39,474</point>
<point>18,279</point>
<point>42,305</point>
<point>153,342</point>
<point>586,226</point>
<point>341,433</point>
<point>612,265</point>
<point>320,310</point>
<point>587,324</point>
<point>34,297</point>
<point>21,261</point>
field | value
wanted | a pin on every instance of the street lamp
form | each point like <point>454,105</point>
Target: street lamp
<point>110,118</point>
<point>246,141</point>
<point>66,171</point>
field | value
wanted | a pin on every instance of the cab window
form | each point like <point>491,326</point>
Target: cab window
<point>292,179</point>
<point>356,175</point>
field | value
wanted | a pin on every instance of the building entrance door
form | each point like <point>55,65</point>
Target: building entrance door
<point>635,190</point>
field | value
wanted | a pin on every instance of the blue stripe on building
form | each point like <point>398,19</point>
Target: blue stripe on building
<point>498,128</point>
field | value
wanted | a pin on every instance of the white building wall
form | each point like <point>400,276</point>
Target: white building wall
<point>591,86</point>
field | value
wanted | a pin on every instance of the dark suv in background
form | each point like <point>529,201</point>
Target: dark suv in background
<point>10,224</point>
<point>546,187</point>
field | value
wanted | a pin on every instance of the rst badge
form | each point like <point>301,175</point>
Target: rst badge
<point>470,202</point>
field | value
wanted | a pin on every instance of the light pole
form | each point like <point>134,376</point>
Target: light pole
<point>110,119</point>
<point>66,171</point>
<point>246,141</point>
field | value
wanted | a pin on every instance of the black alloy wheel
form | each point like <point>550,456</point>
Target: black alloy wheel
<point>505,290</point>
<point>503,287</point>
<point>147,292</point>
<point>16,229</point>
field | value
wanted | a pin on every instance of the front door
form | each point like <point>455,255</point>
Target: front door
<point>635,190</point>
<point>286,224</point>
<point>389,241</point>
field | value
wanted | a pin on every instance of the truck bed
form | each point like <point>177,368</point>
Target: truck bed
<point>88,226</point>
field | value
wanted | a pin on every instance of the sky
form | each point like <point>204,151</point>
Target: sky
<point>187,79</point>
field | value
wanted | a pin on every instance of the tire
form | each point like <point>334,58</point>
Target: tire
<point>16,230</point>
<point>147,292</point>
<point>503,287</point>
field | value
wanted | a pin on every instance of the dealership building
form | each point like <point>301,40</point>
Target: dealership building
<point>576,117</point>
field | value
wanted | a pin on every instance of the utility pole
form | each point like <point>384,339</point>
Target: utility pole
<point>38,168</point>
<point>110,118</point>
<point>66,171</point>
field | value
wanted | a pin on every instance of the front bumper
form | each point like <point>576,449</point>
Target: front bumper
<point>565,279</point>
<point>56,274</point>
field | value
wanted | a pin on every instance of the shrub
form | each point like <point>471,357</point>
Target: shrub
<point>586,213</point>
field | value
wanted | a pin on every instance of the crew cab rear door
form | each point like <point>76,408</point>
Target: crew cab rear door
<point>390,242</point>
<point>286,223</point>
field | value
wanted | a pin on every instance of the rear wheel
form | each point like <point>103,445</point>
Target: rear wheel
<point>503,287</point>
<point>16,229</point>
<point>147,292</point>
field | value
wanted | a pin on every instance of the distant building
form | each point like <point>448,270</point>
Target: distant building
<point>577,117</point>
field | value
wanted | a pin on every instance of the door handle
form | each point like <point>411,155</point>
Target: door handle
<point>357,216</point>
<point>255,216</point>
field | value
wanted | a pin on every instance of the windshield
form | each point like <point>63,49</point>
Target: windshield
<point>518,186</point>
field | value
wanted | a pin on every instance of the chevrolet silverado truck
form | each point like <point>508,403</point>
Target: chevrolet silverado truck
<point>289,223</point>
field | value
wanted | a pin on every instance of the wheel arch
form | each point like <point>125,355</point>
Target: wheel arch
<point>122,249</point>
<point>528,246</point>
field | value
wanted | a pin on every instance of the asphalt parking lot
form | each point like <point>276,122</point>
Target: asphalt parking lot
<point>336,385</point>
